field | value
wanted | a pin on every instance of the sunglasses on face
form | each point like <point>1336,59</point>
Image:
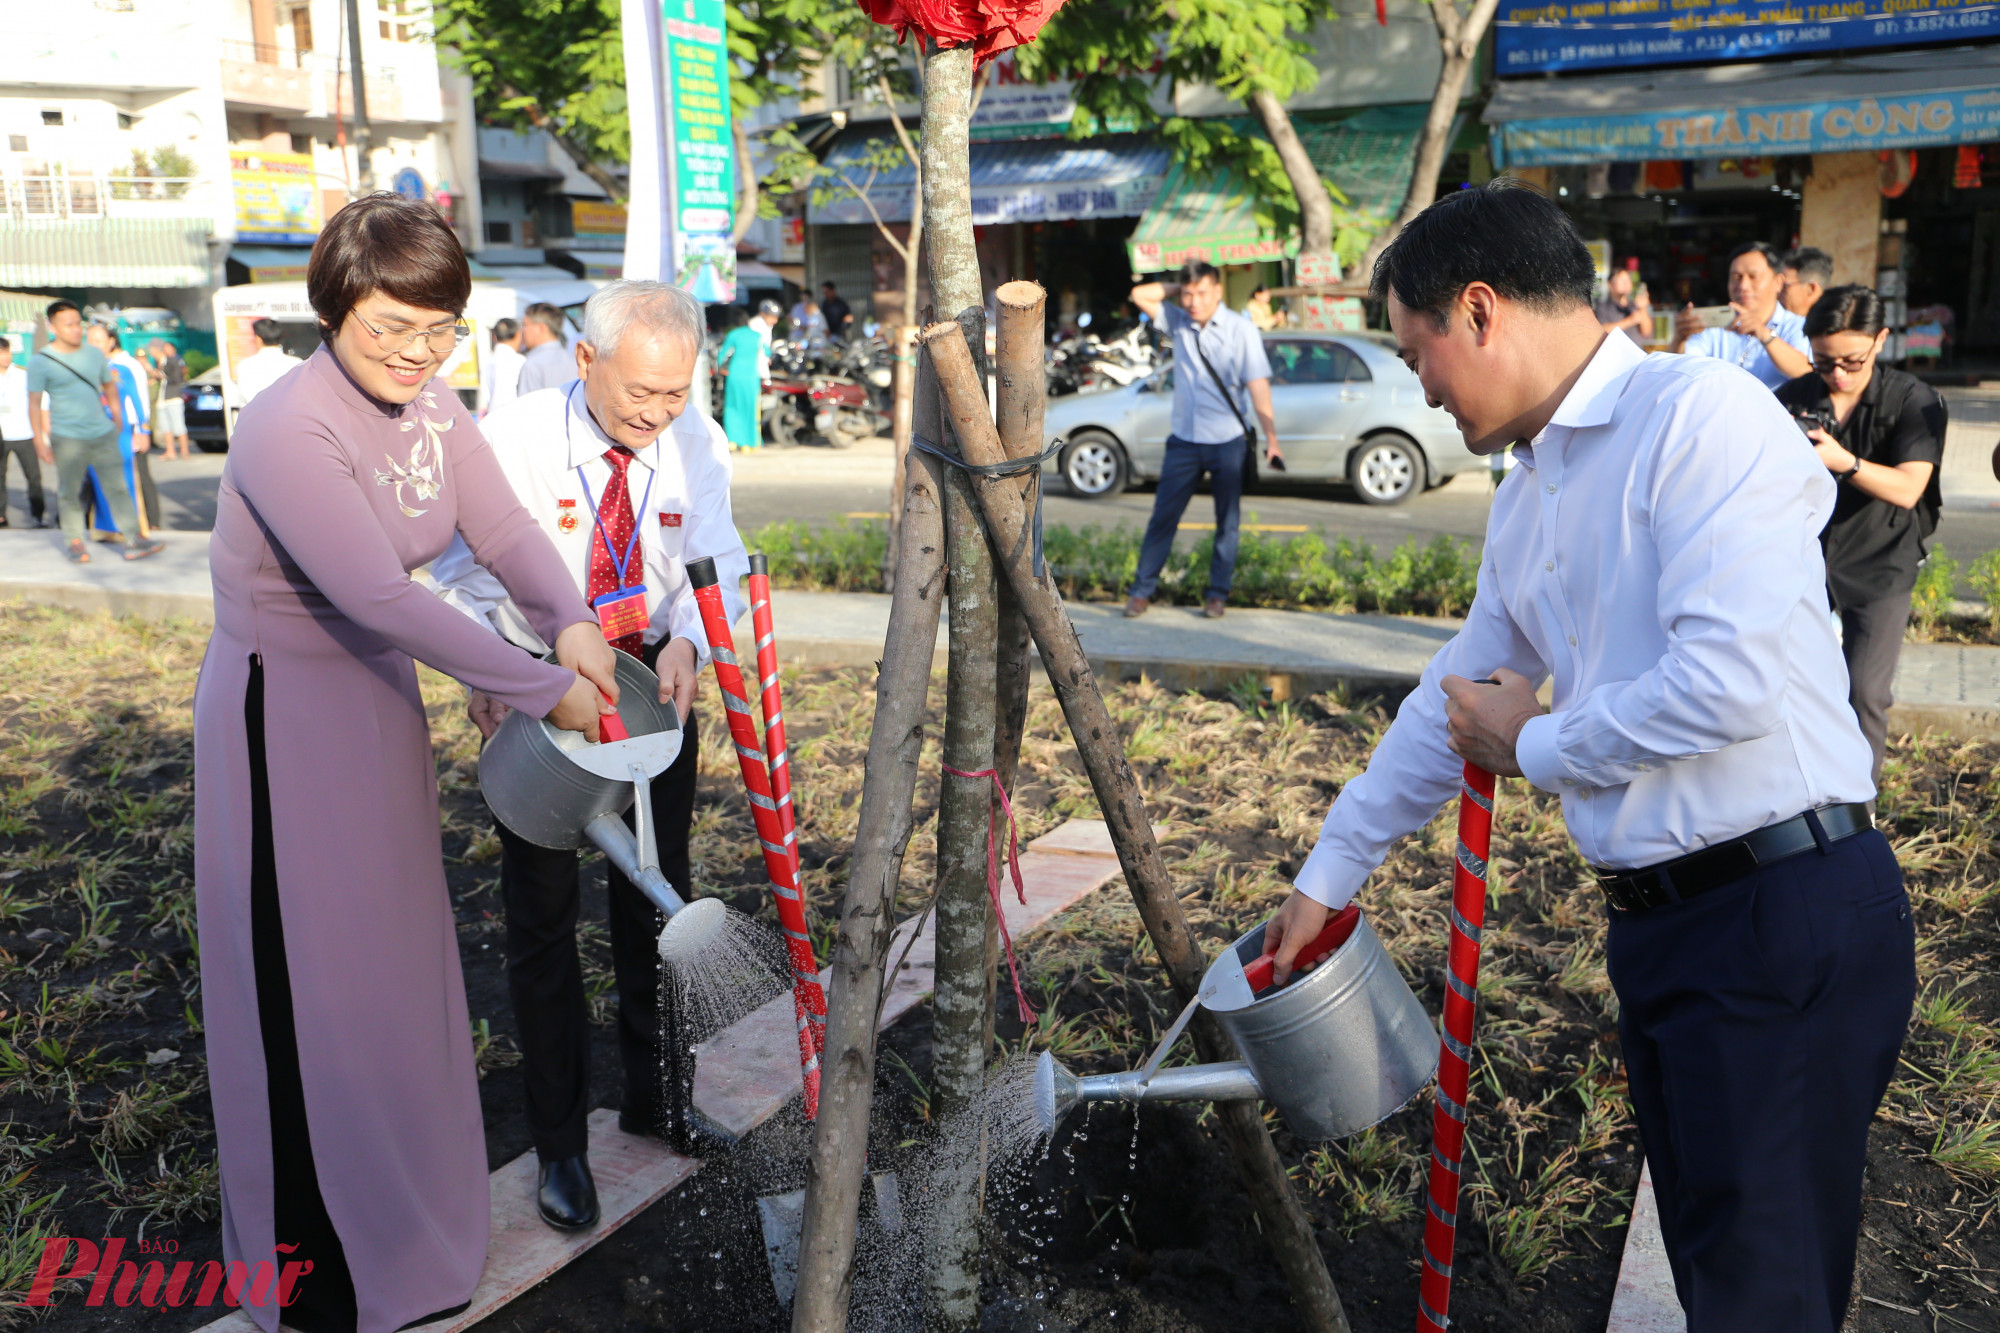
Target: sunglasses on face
<point>1826,365</point>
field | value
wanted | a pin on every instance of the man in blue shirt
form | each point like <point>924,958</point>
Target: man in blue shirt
<point>1765,339</point>
<point>1220,374</point>
<point>78,431</point>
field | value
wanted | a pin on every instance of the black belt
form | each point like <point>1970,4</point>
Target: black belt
<point>1692,875</point>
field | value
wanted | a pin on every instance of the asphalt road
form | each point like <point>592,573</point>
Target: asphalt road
<point>822,485</point>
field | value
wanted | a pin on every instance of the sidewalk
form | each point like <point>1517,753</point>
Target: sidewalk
<point>1947,687</point>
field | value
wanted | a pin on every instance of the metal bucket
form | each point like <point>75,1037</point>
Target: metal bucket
<point>534,775</point>
<point>1340,1048</point>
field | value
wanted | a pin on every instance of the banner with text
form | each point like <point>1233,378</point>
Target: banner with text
<point>277,197</point>
<point>696,61</point>
<point>1533,38</point>
<point>1844,125</point>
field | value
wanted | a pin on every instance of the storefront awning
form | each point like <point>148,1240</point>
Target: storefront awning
<point>105,252</point>
<point>273,263</point>
<point>1210,217</point>
<point>1045,180</point>
<point>1910,99</point>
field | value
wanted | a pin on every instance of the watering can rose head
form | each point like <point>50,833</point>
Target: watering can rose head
<point>991,26</point>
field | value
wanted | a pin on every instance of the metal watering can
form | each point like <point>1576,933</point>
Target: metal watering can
<point>1337,1049</point>
<point>555,789</point>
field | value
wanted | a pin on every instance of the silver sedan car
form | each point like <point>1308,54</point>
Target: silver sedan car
<point>1347,410</point>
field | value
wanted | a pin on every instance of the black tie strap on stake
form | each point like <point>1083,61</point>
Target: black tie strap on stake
<point>1011,467</point>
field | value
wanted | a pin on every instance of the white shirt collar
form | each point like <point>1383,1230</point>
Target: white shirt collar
<point>587,440</point>
<point>1591,399</point>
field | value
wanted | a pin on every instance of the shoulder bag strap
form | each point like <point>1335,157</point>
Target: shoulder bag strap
<point>85,379</point>
<point>1249,435</point>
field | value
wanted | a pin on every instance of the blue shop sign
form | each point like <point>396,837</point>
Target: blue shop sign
<point>1607,34</point>
<point>409,183</point>
<point>1844,125</point>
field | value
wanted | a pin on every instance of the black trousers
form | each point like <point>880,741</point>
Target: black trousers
<point>1760,1024</point>
<point>1871,639</point>
<point>23,452</point>
<point>545,976</point>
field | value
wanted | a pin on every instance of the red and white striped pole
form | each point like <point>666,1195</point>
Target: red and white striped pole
<point>777,758</point>
<point>780,860</point>
<point>1461,975</point>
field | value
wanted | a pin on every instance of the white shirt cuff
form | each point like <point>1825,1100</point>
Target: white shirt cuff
<point>1330,878</point>
<point>1535,751</point>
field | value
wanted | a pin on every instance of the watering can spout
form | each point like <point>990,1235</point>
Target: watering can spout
<point>1057,1091</point>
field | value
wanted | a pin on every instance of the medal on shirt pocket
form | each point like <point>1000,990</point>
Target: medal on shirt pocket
<point>622,611</point>
<point>566,519</point>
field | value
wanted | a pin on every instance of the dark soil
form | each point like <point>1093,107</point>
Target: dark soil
<point>1149,1229</point>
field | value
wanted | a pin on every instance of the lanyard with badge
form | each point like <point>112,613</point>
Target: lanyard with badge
<point>622,611</point>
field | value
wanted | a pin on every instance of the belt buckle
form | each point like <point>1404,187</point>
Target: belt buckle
<point>1617,894</point>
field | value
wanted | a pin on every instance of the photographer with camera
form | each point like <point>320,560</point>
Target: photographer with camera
<point>1881,433</point>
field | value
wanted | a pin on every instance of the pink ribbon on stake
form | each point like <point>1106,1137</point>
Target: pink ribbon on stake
<point>993,877</point>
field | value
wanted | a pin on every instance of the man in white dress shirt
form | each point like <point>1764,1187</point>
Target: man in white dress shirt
<point>615,454</point>
<point>1657,553</point>
<point>265,366</point>
<point>1764,338</point>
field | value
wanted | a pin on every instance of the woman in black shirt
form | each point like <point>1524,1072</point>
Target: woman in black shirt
<point>1881,433</point>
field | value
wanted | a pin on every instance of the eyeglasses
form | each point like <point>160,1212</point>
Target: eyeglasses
<point>442,338</point>
<point>1850,365</point>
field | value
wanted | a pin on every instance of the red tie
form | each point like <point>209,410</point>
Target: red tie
<point>614,519</point>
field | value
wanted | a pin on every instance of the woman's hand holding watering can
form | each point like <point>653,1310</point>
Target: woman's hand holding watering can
<point>486,712</point>
<point>583,650</point>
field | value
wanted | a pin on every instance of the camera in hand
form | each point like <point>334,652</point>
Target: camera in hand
<point>1812,421</point>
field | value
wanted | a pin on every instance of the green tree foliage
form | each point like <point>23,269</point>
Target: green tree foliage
<point>1117,53</point>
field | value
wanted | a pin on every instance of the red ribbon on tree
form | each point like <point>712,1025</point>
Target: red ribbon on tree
<point>1026,1010</point>
<point>989,26</point>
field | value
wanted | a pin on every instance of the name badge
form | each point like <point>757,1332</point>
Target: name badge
<point>622,611</point>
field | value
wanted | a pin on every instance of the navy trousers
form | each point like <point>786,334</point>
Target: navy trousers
<point>1179,475</point>
<point>1761,1023</point>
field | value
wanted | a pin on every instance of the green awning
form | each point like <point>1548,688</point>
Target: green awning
<point>1367,155</point>
<point>22,308</point>
<point>105,252</point>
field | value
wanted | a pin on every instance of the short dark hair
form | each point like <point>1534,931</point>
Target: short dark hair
<point>1850,309</point>
<point>736,317</point>
<point>548,316</point>
<point>1508,235</point>
<point>6,346</point>
<point>1764,248</point>
<point>1195,270</point>
<point>505,329</point>
<point>269,332</point>
<point>385,243</point>
<point>828,284</point>
<point>57,307</point>
<point>1811,264</point>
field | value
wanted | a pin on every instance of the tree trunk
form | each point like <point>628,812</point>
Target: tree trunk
<point>746,194</point>
<point>867,919</point>
<point>1315,204</point>
<point>903,341</point>
<point>958,1002</point>
<point>905,335</point>
<point>1285,1223</point>
<point>1459,36</point>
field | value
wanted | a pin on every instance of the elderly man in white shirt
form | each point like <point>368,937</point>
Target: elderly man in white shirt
<point>1657,554</point>
<point>631,486</point>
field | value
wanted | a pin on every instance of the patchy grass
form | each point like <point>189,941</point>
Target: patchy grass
<point>105,1126</point>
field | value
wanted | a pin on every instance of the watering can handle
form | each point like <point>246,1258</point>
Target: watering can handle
<point>610,726</point>
<point>1331,936</point>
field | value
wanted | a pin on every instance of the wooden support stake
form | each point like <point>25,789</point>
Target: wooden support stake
<point>1284,1220</point>
<point>868,912</point>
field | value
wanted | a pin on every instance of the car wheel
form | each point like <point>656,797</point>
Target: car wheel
<point>1387,469</point>
<point>1093,465</point>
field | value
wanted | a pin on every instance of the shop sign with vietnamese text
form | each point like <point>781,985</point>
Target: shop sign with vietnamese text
<point>1531,38</point>
<point>1838,126</point>
<point>277,197</point>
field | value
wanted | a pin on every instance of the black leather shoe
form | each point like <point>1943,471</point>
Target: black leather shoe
<point>696,1136</point>
<point>568,1196</point>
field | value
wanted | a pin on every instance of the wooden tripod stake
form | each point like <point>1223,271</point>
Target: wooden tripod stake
<point>1008,522</point>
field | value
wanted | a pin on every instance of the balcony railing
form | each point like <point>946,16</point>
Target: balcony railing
<point>65,192</point>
